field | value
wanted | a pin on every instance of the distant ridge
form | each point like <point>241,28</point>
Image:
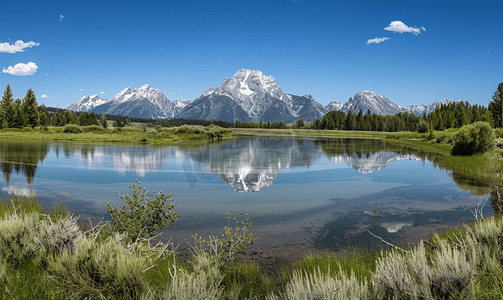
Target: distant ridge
<point>248,96</point>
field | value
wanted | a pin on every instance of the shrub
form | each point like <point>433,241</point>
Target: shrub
<point>18,234</point>
<point>235,242</point>
<point>498,132</point>
<point>473,138</point>
<point>415,276</point>
<point>422,127</point>
<point>144,215</point>
<point>100,270</point>
<point>202,283</point>
<point>94,128</point>
<point>43,128</point>
<point>319,285</point>
<point>72,128</point>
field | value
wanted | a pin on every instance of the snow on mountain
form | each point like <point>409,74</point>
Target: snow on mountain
<point>367,100</point>
<point>258,96</point>
<point>334,105</point>
<point>87,103</point>
<point>306,108</point>
<point>421,109</point>
<point>143,102</point>
<point>254,93</point>
<point>248,96</point>
<point>179,105</point>
<point>381,105</point>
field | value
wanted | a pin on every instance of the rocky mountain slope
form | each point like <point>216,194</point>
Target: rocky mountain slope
<point>248,96</point>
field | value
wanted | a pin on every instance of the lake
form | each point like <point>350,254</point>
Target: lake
<point>300,193</point>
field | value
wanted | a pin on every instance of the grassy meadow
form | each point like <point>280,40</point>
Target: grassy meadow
<point>137,133</point>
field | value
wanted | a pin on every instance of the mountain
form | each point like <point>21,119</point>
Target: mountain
<point>381,105</point>
<point>87,103</point>
<point>214,107</point>
<point>248,91</point>
<point>179,105</point>
<point>306,108</point>
<point>143,102</point>
<point>248,96</point>
<point>334,105</point>
<point>367,100</point>
<point>420,109</point>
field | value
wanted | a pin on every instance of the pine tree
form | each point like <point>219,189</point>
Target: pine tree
<point>350,120</point>
<point>104,123</point>
<point>496,107</point>
<point>6,112</point>
<point>19,120</point>
<point>29,108</point>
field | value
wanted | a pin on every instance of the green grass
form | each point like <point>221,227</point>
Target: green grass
<point>127,134</point>
<point>462,263</point>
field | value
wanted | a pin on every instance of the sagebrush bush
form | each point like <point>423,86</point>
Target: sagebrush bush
<point>320,285</point>
<point>72,128</point>
<point>473,138</point>
<point>58,236</point>
<point>100,270</point>
<point>414,275</point>
<point>18,235</point>
<point>200,284</point>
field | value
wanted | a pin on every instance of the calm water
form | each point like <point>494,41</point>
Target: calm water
<point>328,192</point>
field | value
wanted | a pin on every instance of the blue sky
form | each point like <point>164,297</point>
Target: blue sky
<point>450,49</point>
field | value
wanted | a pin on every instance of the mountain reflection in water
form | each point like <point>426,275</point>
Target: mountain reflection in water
<point>252,164</point>
<point>335,188</point>
<point>248,165</point>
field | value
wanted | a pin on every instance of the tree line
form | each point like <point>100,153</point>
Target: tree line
<point>25,112</point>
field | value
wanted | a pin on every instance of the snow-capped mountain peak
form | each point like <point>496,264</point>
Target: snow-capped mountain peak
<point>87,103</point>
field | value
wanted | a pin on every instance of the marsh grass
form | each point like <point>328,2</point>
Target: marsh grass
<point>245,280</point>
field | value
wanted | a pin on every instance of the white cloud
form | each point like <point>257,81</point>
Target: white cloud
<point>61,17</point>
<point>377,40</point>
<point>102,92</point>
<point>21,69</point>
<point>18,46</point>
<point>400,27</point>
<point>81,90</point>
<point>44,96</point>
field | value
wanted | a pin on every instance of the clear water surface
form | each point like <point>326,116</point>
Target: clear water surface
<point>331,190</point>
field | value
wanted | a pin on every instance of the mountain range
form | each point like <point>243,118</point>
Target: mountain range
<point>248,96</point>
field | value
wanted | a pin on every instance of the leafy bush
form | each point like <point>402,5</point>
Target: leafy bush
<point>144,215</point>
<point>473,138</point>
<point>43,128</point>
<point>72,128</point>
<point>498,132</point>
<point>224,250</point>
